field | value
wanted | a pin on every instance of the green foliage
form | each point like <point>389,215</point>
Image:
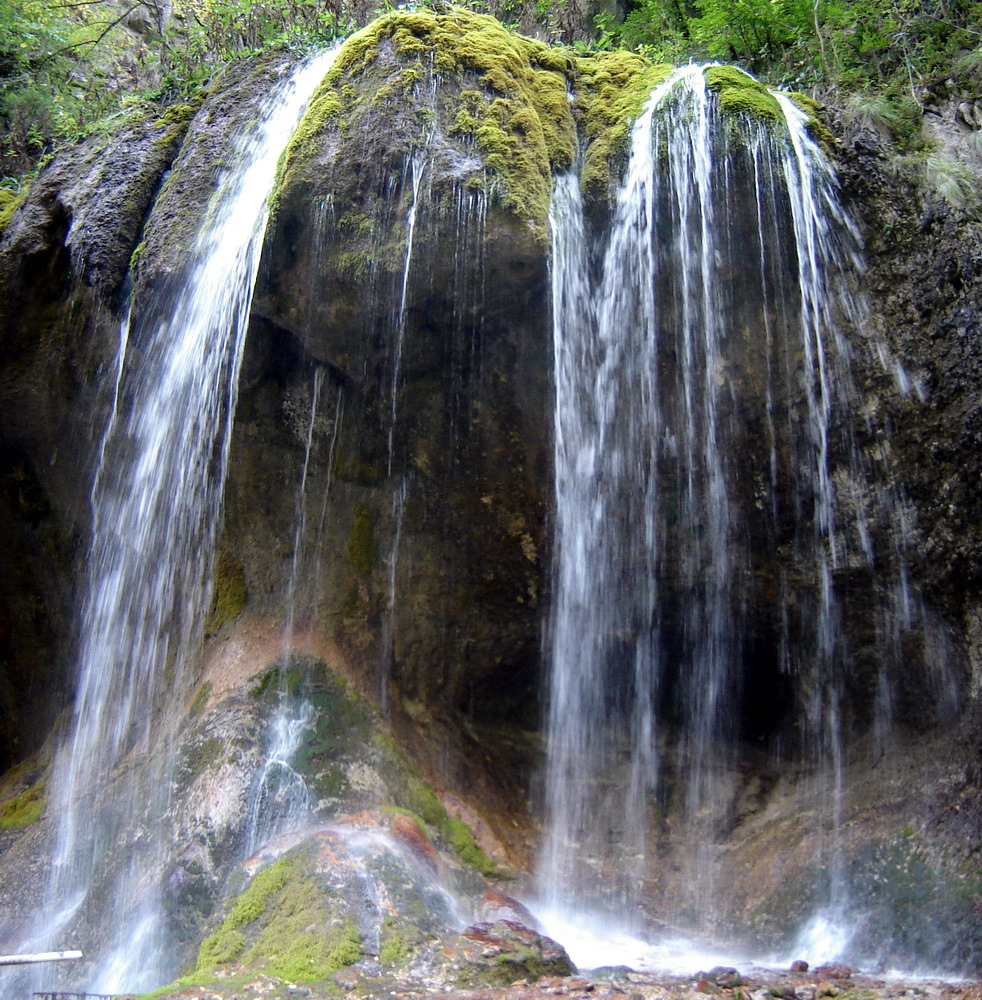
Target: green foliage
<point>897,47</point>
<point>66,66</point>
<point>39,103</point>
<point>954,181</point>
<point>202,36</point>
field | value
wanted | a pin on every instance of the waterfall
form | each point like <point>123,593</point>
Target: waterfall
<point>156,508</point>
<point>713,500</point>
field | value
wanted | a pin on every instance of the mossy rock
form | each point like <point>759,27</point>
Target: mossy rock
<point>504,94</point>
<point>611,88</point>
<point>228,595</point>
<point>286,923</point>
<point>10,201</point>
<point>25,808</point>
<point>498,954</point>
<point>740,93</point>
<point>362,548</point>
<point>815,125</point>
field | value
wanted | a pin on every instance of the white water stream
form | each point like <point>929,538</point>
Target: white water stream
<point>705,365</point>
<point>156,511</point>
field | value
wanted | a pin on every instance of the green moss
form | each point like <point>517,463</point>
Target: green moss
<point>740,93</point>
<point>229,596</point>
<point>25,808</point>
<point>252,902</point>
<point>363,470</point>
<point>302,940</point>
<point>199,756</point>
<point>180,114</point>
<point>220,948</point>
<point>10,201</point>
<point>422,801</point>
<point>415,817</point>
<point>228,942</point>
<point>612,88</point>
<point>423,805</point>
<point>362,548</point>
<point>817,129</point>
<point>522,140</point>
<point>324,109</point>
<point>289,677</point>
<point>200,700</point>
<point>395,942</point>
<point>461,839</point>
<point>137,254</point>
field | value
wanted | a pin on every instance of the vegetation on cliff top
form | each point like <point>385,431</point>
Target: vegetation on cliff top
<point>515,106</point>
<point>64,67</point>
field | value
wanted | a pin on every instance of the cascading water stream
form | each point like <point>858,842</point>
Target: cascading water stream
<point>281,800</point>
<point>156,509</point>
<point>715,325</point>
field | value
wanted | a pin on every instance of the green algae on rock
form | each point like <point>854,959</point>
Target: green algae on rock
<point>25,808</point>
<point>740,93</point>
<point>611,88</point>
<point>283,924</point>
<point>10,201</point>
<point>229,593</point>
<point>516,113</point>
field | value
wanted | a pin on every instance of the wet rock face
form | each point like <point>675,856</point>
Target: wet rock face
<point>390,479</point>
<point>393,269</point>
<point>924,272</point>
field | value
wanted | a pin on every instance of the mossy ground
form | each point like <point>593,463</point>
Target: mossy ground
<point>284,924</point>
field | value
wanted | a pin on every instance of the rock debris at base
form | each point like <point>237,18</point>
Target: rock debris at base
<point>756,984</point>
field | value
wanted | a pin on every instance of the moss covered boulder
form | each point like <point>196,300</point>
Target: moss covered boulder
<point>431,132</point>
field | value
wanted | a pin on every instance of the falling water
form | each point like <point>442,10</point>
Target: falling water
<point>710,494</point>
<point>281,800</point>
<point>156,506</point>
<point>415,167</point>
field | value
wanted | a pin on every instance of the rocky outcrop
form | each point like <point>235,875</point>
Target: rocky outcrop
<point>407,262</point>
<point>924,265</point>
